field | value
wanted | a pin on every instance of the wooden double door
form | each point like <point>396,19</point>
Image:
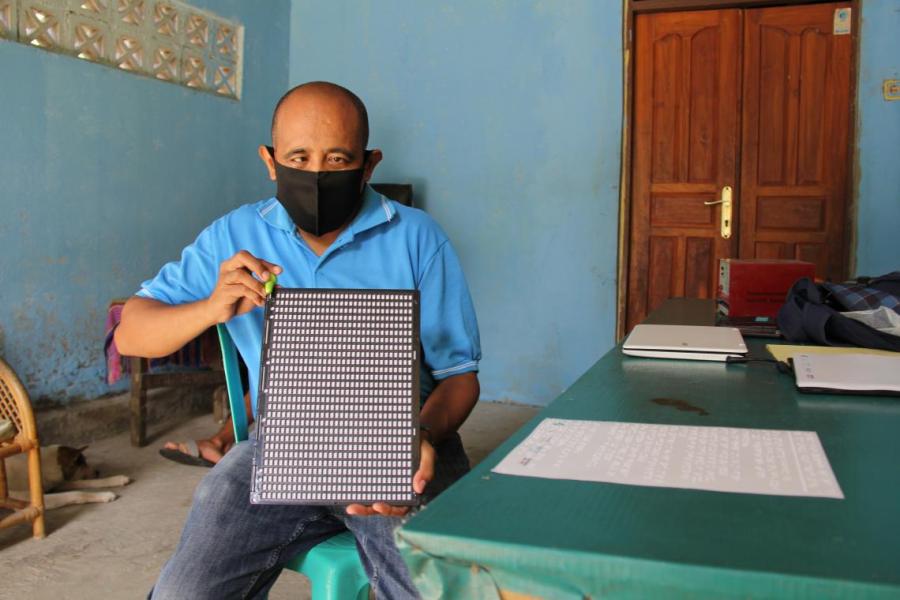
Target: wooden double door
<point>744,111</point>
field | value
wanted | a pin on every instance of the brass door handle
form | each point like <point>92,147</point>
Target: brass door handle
<point>725,213</point>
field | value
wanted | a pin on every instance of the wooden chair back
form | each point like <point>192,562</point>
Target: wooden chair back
<point>15,406</point>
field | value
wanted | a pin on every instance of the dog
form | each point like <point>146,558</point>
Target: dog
<point>65,475</point>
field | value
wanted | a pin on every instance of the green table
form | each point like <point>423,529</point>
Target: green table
<point>493,533</point>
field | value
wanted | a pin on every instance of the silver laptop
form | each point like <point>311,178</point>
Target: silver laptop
<point>690,342</point>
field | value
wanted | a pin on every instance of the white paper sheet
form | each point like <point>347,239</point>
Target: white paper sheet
<point>722,459</point>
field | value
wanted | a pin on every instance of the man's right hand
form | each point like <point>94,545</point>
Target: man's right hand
<point>237,291</point>
<point>152,328</point>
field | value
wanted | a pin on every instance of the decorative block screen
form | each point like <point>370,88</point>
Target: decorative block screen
<point>164,39</point>
<point>338,398</point>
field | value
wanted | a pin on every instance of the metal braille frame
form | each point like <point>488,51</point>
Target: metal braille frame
<point>338,402</point>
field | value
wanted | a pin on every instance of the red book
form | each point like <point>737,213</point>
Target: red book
<point>757,287</point>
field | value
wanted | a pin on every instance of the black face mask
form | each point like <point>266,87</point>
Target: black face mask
<point>318,201</point>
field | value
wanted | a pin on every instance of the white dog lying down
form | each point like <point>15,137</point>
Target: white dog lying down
<point>65,471</point>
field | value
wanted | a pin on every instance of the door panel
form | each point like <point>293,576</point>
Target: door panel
<point>687,80</point>
<point>794,143</point>
<point>768,86</point>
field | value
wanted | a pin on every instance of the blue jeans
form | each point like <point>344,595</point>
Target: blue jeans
<point>233,549</point>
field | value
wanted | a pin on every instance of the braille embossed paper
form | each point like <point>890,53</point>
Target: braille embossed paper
<point>721,459</point>
<point>338,398</point>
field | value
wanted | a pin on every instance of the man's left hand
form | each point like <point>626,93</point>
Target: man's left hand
<point>420,480</point>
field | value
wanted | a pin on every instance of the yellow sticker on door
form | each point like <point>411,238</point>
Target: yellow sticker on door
<point>842,21</point>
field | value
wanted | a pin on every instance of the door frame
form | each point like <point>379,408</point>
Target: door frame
<point>633,7</point>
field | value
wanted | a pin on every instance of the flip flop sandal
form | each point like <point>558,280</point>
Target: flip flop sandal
<point>191,457</point>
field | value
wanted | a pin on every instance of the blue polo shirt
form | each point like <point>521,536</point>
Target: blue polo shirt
<point>387,246</point>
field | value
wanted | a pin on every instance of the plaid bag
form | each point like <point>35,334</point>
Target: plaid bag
<point>812,313</point>
<point>868,295</point>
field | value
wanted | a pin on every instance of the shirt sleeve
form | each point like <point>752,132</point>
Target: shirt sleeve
<point>448,329</point>
<point>190,279</point>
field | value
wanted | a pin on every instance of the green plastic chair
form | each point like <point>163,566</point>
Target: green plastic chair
<point>333,566</point>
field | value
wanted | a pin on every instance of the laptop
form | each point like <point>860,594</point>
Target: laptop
<point>688,342</point>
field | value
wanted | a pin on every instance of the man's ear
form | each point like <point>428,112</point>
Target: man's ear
<point>268,161</point>
<point>374,157</point>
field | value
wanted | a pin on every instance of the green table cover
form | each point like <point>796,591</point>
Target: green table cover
<point>571,539</point>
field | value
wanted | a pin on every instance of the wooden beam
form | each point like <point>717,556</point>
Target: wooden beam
<point>640,6</point>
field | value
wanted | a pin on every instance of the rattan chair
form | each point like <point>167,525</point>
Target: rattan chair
<point>15,406</point>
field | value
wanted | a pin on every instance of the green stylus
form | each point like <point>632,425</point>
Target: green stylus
<point>270,284</point>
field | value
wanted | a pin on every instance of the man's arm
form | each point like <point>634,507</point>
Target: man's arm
<point>449,405</point>
<point>151,328</point>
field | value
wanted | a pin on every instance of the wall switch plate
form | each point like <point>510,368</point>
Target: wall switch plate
<point>891,89</point>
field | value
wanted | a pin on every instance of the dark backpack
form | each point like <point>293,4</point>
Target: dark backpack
<point>812,313</point>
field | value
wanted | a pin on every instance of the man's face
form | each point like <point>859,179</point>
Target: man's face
<point>318,132</point>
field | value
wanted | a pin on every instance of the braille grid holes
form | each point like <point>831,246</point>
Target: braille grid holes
<point>339,397</point>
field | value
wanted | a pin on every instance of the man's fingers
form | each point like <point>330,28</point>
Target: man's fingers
<point>358,510</point>
<point>426,468</point>
<point>245,305</point>
<point>379,508</point>
<point>389,510</point>
<point>250,262</point>
<point>237,290</point>
<point>239,297</point>
<point>245,260</point>
<point>244,278</point>
<point>272,267</point>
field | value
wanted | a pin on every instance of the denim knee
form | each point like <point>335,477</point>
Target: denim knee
<point>210,487</point>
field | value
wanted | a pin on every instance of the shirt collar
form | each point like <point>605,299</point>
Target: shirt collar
<point>376,210</point>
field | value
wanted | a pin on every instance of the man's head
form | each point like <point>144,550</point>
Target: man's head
<point>320,126</point>
<point>338,95</point>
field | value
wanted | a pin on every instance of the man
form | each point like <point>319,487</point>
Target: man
<point>326,229</point>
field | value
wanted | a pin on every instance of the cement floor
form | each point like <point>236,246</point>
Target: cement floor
<point>116,550</point>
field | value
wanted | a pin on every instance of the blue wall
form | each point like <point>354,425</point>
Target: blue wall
<point>506,118</point>
<point>504,114</point>
<point>104,176</point>
<point>878,130</point>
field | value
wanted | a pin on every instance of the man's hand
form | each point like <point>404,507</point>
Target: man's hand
<point>151,328</point>
<point>237,291</point>
<point>420,480</point>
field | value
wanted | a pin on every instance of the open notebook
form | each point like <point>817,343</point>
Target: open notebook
<point>690,342</point>
<point>847,373</point>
